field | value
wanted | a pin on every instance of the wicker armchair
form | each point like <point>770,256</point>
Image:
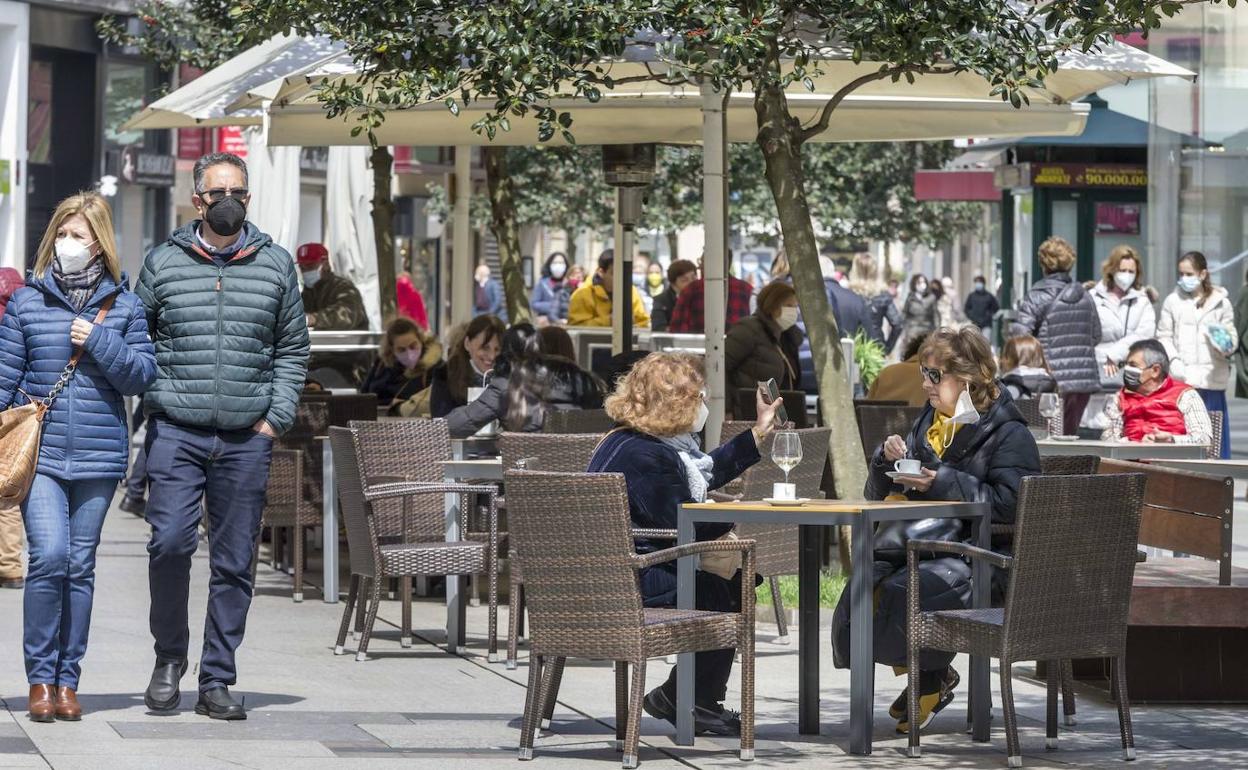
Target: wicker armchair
<point>572,538</point>
<point>777,546</point>
<point>294,493</point>
<point>1215,444</point>
<point>1030,407</point>
<point>376,556</point>
<point>1069,594</point>
<point>566,453</point>
<point>876,423</point>
<point>577,421</point>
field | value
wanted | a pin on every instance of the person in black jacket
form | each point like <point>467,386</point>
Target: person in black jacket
<point>680,274</point>
<point>660,407</point>
<point>404,364</point>
<point>974,445</point>
<point>1060,313</point>
<point>864,279</point>
<point>524,386</point>
<point>471,358</point>
<point>981,305</point>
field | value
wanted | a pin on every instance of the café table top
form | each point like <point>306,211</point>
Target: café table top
<point>1235,467</point>
<point>1122,449</point>
<point>817,506</point>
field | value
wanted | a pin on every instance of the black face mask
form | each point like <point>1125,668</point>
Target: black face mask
<point>226,216</point>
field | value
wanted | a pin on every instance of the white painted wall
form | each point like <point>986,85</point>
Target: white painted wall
<point>14,60</point>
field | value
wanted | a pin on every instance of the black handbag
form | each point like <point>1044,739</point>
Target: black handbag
<point>892,536</point>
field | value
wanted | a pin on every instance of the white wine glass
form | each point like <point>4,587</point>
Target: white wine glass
<point>1048,409</point>
<point>786,451</point>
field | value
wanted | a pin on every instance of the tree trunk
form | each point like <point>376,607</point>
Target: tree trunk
<point>506,232</point>
<point>673,244</point>
<point>383,231</point>
<point>779,140</point>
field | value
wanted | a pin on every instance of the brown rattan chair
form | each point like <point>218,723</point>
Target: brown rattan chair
<point>876,423</point>
<point>294,493</point>
<point>376,556</point>
<point>1030,407</point>
<point>1069,594</point>
<point>345,408</point>
<point>1215,444</point>
<point>777,545</point>
<point>577,421</point>
<point>573,540</point>
<point>560,453</point>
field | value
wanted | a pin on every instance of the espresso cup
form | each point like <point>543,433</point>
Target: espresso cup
<point>782,491</point>
<point>908,467</point>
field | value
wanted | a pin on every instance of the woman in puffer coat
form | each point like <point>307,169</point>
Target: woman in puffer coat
<point>864,280</point>
<point>974,445</point>
<point>1127,316</point>
<point>85,434</point>
<point>524,386</point>
<point>1193,318</point>
<point>1060,313</point>
<point>766,344</point>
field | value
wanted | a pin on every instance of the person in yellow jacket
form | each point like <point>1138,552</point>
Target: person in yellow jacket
<point>590,304</point>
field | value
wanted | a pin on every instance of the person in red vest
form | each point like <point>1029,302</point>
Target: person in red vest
<point>1153,406</point>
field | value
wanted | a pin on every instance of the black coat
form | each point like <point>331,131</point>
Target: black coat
<point>755,351</point>
<point>852,314</point>
<point>883,309</point>
<point>981,306</point>
<point>1060,313</point>
<point>564,385</point>
<point>661,310</point>
<point>986,462</point>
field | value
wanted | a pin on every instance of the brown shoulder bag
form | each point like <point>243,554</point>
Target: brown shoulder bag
<point>21,430</point>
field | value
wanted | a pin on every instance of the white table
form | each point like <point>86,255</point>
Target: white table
<point>1236,469</point>
<point>329,523</point>
<point>459,469</point>
<point>1123,450</point>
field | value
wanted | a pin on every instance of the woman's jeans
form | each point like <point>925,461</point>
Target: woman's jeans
<point>63,523</point>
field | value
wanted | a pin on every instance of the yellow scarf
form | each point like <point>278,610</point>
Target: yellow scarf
<point>941,434</point>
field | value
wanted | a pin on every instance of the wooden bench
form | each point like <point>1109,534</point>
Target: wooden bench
<point>1188,634</point>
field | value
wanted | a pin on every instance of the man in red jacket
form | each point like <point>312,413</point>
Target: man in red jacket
<point>11,517</point>
<point>1153,407</point>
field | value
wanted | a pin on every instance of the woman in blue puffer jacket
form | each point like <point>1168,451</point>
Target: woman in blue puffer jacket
<point>85,437</point>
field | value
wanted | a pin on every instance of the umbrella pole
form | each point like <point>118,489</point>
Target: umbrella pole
<point>715,211</point>
<point>461,239</point>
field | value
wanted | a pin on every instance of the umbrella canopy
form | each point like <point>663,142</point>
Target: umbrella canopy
<point>205,101</point>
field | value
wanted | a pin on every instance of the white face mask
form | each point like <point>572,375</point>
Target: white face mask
<point>1124,279</point>
<point>311,277</point>
<point>921,287</point>
<point>700,421</point>
<point>1189,283</point>
<point>557,269</point>
<point>72,254</point>
<point>787,319</point>
<point>963,414</point>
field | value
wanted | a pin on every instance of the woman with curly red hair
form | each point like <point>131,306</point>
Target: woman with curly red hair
<point>660,407</point>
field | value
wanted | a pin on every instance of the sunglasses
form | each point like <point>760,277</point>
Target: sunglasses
<point>217,193</point>
<point>931,375</point>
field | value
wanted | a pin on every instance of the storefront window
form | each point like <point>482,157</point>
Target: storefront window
<point>125,95</point>
<point>39,121</point>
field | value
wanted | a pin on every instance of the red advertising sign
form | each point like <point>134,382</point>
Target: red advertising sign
<point>192,143</point>
<point>230,139</point>
<point>1121,218</point>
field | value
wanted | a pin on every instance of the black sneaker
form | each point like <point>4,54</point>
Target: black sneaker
<point>715,720</point>
<point>931,702</point>
<point>134,505</point>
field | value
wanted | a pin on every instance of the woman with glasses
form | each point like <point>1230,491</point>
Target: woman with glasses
<point>973,445</point>
<point>660,407</point>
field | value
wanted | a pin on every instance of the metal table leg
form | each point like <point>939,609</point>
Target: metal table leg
<point>329,525</point>
<point>686,585</point>
<point>981,575</point>
<point>456,590</point>
<point>809,546</point>
<point>861,643</point>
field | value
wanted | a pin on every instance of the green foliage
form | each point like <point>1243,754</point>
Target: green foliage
<point>869,357</point>
<point>200,33</point>
<point>831,584</point>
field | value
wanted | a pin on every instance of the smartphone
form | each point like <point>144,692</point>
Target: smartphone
<point>770,393</point>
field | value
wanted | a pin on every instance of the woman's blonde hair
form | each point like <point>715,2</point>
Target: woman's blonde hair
<point>99,216</point>
<point>660,395</point>
<point>964,354</point>
<point>864,276</point>
<point>1120,252</point>
<point>1024,350</point>
<point>1056,255</point>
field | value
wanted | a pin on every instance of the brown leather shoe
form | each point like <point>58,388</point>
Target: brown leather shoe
<point>42,703</point>
<point>67,707</point>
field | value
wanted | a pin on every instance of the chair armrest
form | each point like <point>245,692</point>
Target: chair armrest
<point>962,549</point>
<point>722,497</point>
<point>641,561</point>
<point>410,488</point>
<point>655,534</point>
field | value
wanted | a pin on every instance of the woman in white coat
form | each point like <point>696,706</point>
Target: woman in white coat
<point>1197,326</point>
<point>1127,316</point>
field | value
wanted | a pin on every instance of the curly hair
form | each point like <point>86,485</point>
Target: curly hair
<point>964,354</point>
<point>1056,255</point>
<point>660,395</point>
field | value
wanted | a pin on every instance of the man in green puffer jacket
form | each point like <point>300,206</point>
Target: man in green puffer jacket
<point>224,311</point>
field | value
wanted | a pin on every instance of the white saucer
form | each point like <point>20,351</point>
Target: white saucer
<point>899,476</point>
<point>780,502</point>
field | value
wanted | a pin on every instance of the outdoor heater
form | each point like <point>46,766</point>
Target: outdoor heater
<point>629,168</point>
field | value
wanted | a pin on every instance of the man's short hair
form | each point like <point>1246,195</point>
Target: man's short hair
<point>679,268</point>
<point>1154,354</point>
<point>217,159</point>
<point>606,259</point>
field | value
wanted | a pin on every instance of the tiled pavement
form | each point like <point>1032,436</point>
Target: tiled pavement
<point>422,708</point>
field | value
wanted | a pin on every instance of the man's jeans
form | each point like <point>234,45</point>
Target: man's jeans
<point>230,469</point>
<point>63,523</point>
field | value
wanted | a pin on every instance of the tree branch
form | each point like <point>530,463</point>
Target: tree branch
<point>825,115</point>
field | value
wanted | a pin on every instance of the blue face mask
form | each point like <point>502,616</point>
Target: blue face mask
<point>1189,283</point>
